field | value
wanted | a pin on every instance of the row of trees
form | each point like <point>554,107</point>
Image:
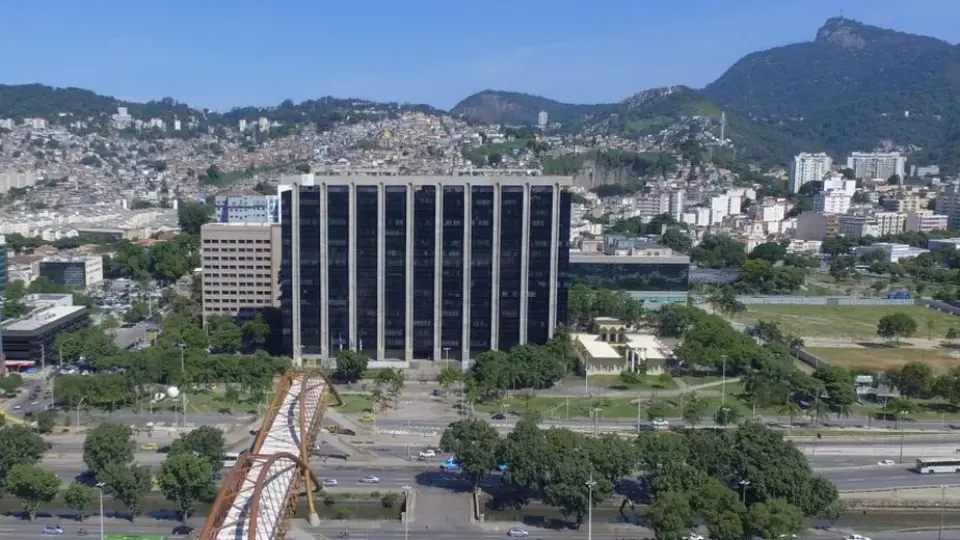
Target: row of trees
<point>586,302</point>
<point>15,291</point>
<point>164,261</point>
<point>746,481</point>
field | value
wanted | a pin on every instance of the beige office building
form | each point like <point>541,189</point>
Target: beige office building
<point>240,268</point>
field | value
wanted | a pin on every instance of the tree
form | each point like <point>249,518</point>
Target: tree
<point>914,380</point>
<point>670,516</point>
<point>726,415</point>
<point>186,479</point>
<point>774,519</point>
<point>78,497</point>
<point>108,444</point>
<point>722,509</point>
<point>224,334</point>
<point>46,421</point>
<point>19,445</point>
<point>772,252</point>
<point>129,484</point>
<point>449,377</point>
<point>474,443</point>
<point>947,386</point>
<point>896,326</point>
<point>350,366</point>
<point>693,409</point>
<point>205,442</point>
<point>33,485</point>
<point>193,215</point>
<point>256,330</point>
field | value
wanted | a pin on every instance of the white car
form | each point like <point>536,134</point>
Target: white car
<point>329,482</point>
<point>428,453</point>
<point>370,480</point>
<point>695,536</point>
<point>660,423</point>
<point>886,463</point>
<point>855,537</point>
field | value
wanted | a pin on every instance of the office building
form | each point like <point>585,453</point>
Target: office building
<point>925,221</point>
<point>29,341</point>
<point>423,267</point>
<point>873,165</point>
<point>808,168</point>
<point>72,272</point>
<point>16,180</point>
<point>654,279</point>
<point>240,268</point>
<point>890,252</point>
<point>247,207</point>
<point>3,263</point>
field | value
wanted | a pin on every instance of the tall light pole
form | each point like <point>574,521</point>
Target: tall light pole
<point>100,486</point>
<point>590,484</point>
<point>723,381</point>
<point>406,512</point>
<point>743,491</point>
<point>78,410</point>
<point>943,496</point>
<point>183,393</point>
<point>900,421</point>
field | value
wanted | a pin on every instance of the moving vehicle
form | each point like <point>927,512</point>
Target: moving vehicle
<point>52,529</point>
<point>450,465</point>
<point>370,479</point>
<point>886,463</point>
<point>660,423</point>
<point>427,453</point>
<point>855,537</point>
<point>694,536</point>
<point>938,465</point>
<point>181,530</point>
<point>329,481</point>
<point>230,459</point>
<point>517,532</point>
<point>150,447</point>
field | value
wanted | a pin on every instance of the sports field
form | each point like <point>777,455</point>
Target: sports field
<point>878,359</point>
<point>845,322</point>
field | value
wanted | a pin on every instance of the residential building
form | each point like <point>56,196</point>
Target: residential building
<point>16,180</point>
<point>630,246</point>
<point>873,165</point>
<point>542,118</point>
<point>815,227</point>
<point>925,221</point>
<point>247,207</point>
<point>904,202</point>
<point>3,262</point>
<point>831,202</point>
<point>29,341</point>
<point>891,252</point>
<point>423,266</point>
<point>876,224</point>
<point>808,168</point>
<point>675,204</point>
<point>240,265</point>
<point>837,183</point>
<point>654,279</point>
<point>648,206</point>
<point>72,272</point>
<point>948,204</point>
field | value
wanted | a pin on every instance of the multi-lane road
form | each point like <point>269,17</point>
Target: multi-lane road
<point>21,529</point>
<point>333,532</point>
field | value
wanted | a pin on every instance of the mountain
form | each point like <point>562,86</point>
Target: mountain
<point>56,104</point>
<point>852,88</point>
<point>515,108</point>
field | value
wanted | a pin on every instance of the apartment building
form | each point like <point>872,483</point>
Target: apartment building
<point>925,221</point>
<point>904,202</point>
<point>423,267</point>
<point>839,184</point>
<point>72,272</point>
<point>948,204</point>
<point>831,202</point>
<point>16,180</point>
<point>876,224</point>
<point>872,165</point>
<point>247,207</point>
<point>240,268</point>
<point>3,262</point>
<point>808,168</point>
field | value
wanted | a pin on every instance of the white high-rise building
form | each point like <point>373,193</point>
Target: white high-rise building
<point>675,204</point>
<point>831,202</point>
<point>542,119</point>
<point>883,165</point>
<point>808,168</point>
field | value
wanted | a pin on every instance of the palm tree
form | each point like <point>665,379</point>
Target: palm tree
<point>790,409</point>
<point>844,410</point>
<point>818,411</point>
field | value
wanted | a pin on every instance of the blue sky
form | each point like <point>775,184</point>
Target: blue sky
<point>223,53</point>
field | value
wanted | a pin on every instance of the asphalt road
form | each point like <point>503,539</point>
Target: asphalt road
<point>18,529</point>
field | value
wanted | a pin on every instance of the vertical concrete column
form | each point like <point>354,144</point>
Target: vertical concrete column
<point>438,275</point>
<point>495,267</point>
<point>381,271</point>
<point>352,264</point>
<point>525,265</point>
<point>324,275</point>
<point>465,255</point>
<point>552,321</point>
<point>408,276</point>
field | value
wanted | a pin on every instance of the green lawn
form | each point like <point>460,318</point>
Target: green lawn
<point>880,359</point>
<point>845,322</point>
<point>613,382</point>
<point>213,401</point>
<point>354,403</point>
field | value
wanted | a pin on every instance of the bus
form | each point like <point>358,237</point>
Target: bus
<point>938,465</point>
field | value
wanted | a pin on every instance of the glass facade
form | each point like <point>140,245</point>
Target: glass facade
<point>451,299</point>
<point>395,270</point>
<point>70,274</point>
<point>338,268</point>
<point>3,264</point>
<point>639,276</point>
<point>368,268</point>
<point>424,269</point>
<point>481,268</point>
<point>286,271</point>
<point>310,279</point>
<point>563,258</point>
<point>511,262</point>
<point>539,263</point>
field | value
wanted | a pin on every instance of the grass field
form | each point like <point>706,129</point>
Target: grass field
<point>845,322</point>
<point>884,358</point>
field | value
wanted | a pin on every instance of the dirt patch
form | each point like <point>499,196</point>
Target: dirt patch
<point>882,359</point>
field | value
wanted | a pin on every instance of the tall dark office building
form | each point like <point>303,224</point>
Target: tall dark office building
<point>423,267</point>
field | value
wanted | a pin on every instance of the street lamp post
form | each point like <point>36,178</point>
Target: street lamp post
<point>100,486</point>
<point>743,491</point>
<point>590,484</point>
<point>406,512</point>
<point>943,496</point>
<point>183,393</point>
<point>899,415</point>
<point>78,410</point>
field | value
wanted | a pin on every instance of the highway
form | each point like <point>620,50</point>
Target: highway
<point>22,529</point>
